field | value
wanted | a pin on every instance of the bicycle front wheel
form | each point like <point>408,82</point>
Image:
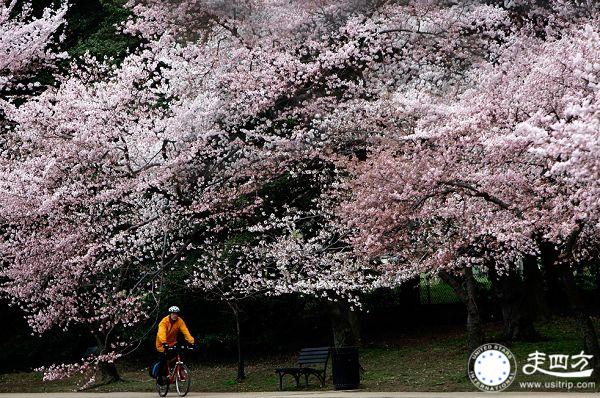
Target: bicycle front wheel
<point>182,380</point>
<point>162,388</point>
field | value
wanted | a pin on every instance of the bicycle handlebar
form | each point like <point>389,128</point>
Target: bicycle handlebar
<point>177,347</point>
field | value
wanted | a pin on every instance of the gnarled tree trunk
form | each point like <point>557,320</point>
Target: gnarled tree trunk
<point>107,371</point>
<point>584,322</point>
<point>474,329</point>
<point>465,287</point>
<point>345,324</point>
<point>518,297</point>
<point>591,346</point>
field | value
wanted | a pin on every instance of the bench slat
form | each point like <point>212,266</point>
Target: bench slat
<point>314,349</point>
<point>313,354</point>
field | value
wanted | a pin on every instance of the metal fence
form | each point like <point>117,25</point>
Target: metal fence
<point>433,290</point>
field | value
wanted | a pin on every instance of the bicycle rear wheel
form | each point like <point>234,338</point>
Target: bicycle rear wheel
<point>182,380</point>
<point>162,389</point>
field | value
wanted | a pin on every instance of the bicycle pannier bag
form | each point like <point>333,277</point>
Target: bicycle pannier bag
<point>154,368</point>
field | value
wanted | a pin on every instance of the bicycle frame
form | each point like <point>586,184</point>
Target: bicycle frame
<point>175,369</point>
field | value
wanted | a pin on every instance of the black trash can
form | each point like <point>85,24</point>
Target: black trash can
<point>345,368</point>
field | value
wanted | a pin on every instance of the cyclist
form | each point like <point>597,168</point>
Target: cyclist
<point>168,330</point>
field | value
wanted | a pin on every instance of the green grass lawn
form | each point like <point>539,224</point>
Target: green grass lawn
<point>432,360</point>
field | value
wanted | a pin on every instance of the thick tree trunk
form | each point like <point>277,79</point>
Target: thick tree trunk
<point>531,302</point>
<point>518,300</point>
<point>533,279</point>
<point>505,288</point>
<point>345,324</point>
<point>474,329</point>
<point>107,372</point>
<point>466,289</point>
<point>584,322</point>
<point>556,298</point>
<point>241,372</point>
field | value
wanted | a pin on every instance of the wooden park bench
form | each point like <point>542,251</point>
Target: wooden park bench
<point>308,359</point>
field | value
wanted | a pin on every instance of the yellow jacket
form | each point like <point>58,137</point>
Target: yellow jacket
<point>168,330</point>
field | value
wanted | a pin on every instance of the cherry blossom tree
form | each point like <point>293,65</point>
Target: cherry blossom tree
<point>105,179</point>
<point>290,244</point>
<point>484,181</point>
<point>108,177</point>
<point>27,42</point>
<point>546,145</point>
<point>123,173</point>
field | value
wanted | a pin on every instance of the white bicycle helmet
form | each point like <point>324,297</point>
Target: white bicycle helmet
<point>174,308</point>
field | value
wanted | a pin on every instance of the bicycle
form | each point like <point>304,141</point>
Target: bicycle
<point>178,374</point>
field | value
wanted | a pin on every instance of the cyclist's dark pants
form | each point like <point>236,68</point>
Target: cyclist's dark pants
<point>163,357</point>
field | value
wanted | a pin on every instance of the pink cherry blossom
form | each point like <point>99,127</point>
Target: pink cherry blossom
<point>27,42</point>
<point>455,135</point>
